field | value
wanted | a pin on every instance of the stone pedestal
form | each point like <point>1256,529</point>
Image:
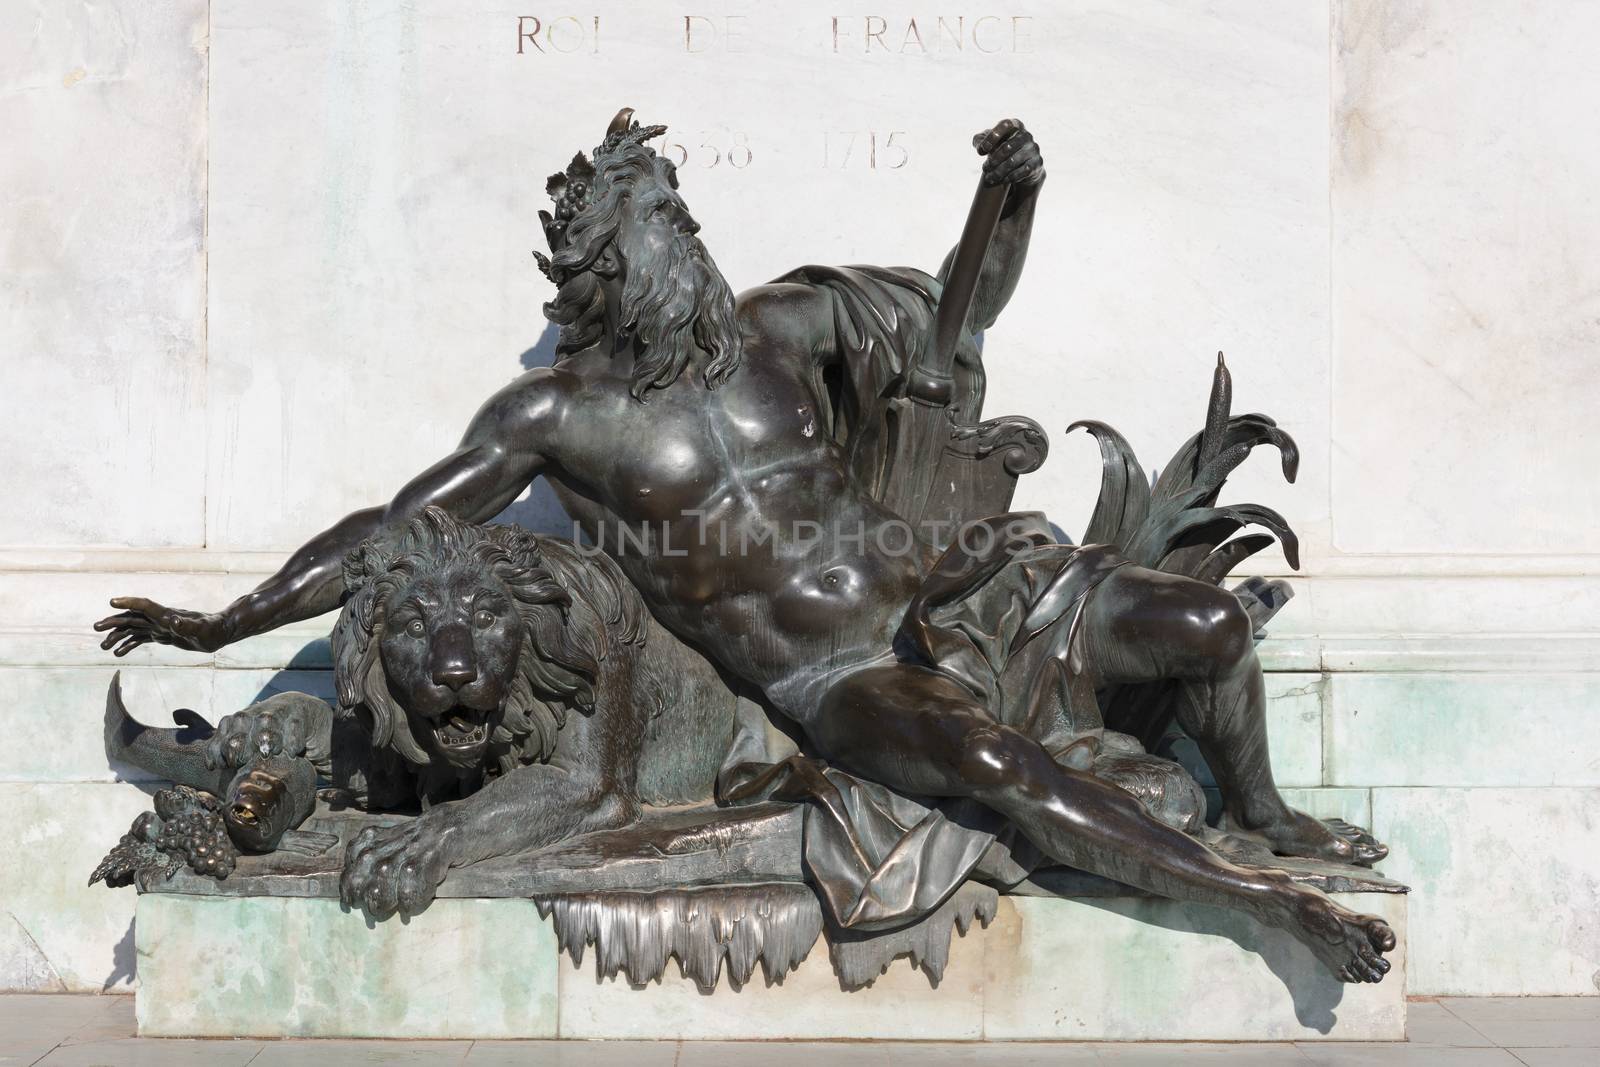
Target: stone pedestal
<point>1102,968</point>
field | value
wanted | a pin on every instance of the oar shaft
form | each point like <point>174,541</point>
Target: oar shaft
<point>931,380</point>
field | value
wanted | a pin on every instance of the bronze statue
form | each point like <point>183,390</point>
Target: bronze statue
<point>512,674</point>
<point>758,468</point>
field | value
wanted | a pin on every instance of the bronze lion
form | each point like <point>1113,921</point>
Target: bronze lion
<point>510,686</point>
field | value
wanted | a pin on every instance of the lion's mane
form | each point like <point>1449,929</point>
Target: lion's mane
<point>576,608</point>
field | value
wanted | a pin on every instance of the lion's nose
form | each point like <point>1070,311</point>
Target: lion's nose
<point>452,661</point>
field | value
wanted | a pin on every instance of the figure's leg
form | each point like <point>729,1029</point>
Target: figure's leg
<point>1141,625</point>
<point>920,732</point>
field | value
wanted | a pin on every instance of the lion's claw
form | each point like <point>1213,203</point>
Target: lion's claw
<point>277,726</point>
<point>395,868</point>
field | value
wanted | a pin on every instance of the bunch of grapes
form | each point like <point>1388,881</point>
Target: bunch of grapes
<point>572,200</point>
<point>192,827</point>
<point>201,839</point>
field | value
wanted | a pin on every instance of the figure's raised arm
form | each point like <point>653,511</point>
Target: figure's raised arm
<point>1012,159</point>
<point>502,451</point>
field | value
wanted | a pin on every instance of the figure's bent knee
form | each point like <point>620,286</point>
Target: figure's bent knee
<point>1190,626</point>
<point>1231,635</point>
<point>991,756</point>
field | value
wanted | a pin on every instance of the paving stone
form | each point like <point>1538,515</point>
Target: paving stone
<point>871,1054</point>
<point>1360,1054</point>
<point>1157,1054</point>
<point>1558,1057</point>
<point>1523,1009</point>
<point>576,1054</point>
<point>141,1052</point>
<point>353,1053</point>
<point>1540,1033</point>
<point>1429,1023</point>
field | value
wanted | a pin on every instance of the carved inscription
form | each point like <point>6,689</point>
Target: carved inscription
<point>714,33</point>
<point>864,149</point>
<point>709,149</point>
<point>557,35</point>
<point>848,34</point>
<point>932,35</point>
<point>722,34</point>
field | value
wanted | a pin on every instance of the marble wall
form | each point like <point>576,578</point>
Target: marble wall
<point>260,263</point>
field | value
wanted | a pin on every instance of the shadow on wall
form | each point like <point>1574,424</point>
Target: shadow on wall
<point>123,961</point>
<point>1314,992</point>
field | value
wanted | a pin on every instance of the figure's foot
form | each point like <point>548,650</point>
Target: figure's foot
<point>1334,840</point>
<point>1351,945</point>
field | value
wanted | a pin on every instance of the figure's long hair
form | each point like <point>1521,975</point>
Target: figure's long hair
<point>674,304</point>
<point>575,609</point>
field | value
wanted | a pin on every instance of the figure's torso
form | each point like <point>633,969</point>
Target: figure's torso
<point>736,516</point>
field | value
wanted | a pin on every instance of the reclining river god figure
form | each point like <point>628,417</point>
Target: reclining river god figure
<point>744,460</point>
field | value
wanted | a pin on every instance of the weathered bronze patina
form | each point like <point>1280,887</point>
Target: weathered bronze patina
<point>802,508</point>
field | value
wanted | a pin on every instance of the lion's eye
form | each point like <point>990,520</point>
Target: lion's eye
<point>485,619</point>
<point>415,628</point>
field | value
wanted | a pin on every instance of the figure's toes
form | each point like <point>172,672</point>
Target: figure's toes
<point>1340,850</point>
<point>1375,962</point>
<point>1359,834</point>
<point>1365,850</point>
<point>1379,934</point>
<point>1366,855</point>
<point>1351,945</point>
<point>1357,971</point>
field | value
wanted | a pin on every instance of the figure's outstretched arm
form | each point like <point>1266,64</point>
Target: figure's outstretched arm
<point>500,454</point>
<point>1011,158</point>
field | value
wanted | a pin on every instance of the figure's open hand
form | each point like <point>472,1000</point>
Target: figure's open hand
<point>141,621</point>
<point>1011,155</point>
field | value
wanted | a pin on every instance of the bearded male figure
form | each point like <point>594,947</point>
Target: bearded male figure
<point>691,418</point>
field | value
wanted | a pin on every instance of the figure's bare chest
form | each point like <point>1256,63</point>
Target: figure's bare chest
<point>687,449</point>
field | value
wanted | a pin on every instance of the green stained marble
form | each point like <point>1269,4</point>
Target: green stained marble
<point>1351,805</point>
<point>1294,727</point>
<point>280,967</point>
<point>1109,969</point>
<point>1463,730</point>
<point>1505,887</point>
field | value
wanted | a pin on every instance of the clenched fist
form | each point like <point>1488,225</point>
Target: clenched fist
<point>1011,155</point>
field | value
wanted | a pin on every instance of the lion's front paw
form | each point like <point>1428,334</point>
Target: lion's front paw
<point>396,868</point>
<point>286,724</point>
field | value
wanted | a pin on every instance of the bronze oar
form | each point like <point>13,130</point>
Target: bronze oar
<point>929,381</point>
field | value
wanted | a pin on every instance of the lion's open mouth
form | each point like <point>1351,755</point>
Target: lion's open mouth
<point>463,728</point>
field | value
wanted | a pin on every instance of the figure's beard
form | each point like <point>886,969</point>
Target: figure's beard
<point>676,304</point>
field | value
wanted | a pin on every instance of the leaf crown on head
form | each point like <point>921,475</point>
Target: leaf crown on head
<point>573,189</point>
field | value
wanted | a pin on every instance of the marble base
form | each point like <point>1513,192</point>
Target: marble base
<point>1102,969</point>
